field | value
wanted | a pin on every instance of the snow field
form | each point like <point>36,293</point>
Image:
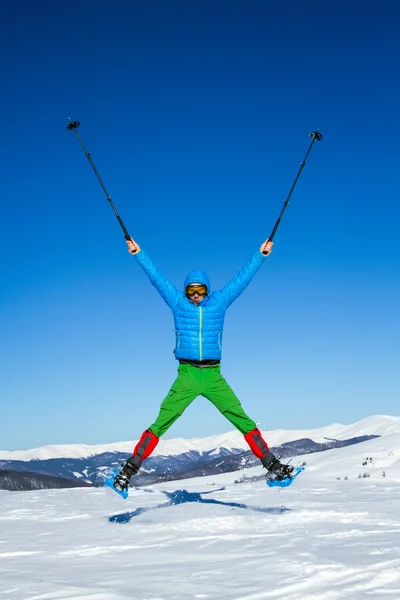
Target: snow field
<point>323,538</point>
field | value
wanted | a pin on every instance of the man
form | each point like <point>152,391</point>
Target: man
<point>199,318</point>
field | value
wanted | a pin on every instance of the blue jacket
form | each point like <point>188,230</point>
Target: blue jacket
<point>198,329</point>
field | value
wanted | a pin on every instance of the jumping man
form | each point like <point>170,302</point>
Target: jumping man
<point>199,318</point>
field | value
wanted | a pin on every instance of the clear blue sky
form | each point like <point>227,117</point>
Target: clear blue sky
<point>197,116</point>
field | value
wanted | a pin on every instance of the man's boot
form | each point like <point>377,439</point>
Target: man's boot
<point>143,449</point>
<point>259,447</point>
<point>276,470</point>
<point>130,468</point>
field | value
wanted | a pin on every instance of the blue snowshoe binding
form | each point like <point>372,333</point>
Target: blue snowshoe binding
<point>279,475</point>
<point>119,480</point>
<point>274,481</point>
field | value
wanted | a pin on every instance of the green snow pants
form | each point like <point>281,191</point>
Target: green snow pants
<point>208,382</point>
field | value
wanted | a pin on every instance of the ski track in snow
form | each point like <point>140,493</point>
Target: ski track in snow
<point>340,540</point>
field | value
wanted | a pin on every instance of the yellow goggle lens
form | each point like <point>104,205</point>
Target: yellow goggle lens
<point>191,290</point>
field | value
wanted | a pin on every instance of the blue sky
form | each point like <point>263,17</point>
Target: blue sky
<point>197,116</point>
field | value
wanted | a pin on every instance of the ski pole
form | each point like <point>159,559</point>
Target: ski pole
<point>314,135</point>
<point>73,126</point>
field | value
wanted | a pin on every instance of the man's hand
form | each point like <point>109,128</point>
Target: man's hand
<point>133,247</point>
<point>266,248</point>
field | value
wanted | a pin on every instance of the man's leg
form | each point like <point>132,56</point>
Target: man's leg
<point>223,397</point>
<point>183,391</point>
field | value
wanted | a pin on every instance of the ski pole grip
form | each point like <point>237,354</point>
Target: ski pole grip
<point>268,240</point>
<point>129,239</point>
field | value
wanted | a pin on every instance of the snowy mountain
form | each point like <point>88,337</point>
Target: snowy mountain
<point>181,459</point>
<point>333,534</point>
<point>231,441</point>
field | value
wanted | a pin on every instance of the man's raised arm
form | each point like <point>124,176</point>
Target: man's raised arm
<point>165,288</point>
<point>241,280</point>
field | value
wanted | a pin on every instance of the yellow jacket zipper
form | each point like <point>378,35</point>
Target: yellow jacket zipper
<point>200,333</point>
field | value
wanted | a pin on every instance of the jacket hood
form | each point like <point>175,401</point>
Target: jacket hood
<point>197,276</point>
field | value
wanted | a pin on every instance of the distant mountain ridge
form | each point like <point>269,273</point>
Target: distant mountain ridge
<point>185,458</point>
<point>92,470</point>
<point>15,481</point>
<point>231,441</point>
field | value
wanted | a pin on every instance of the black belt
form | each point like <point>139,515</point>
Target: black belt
<point>200,364</point>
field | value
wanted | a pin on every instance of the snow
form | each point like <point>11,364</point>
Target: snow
<point>374,425</point>
<point>323,538</point>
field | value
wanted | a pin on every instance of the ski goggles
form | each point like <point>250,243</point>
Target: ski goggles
<point>201,290</point>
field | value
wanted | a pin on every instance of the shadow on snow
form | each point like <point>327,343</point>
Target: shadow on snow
<point>183,496</point>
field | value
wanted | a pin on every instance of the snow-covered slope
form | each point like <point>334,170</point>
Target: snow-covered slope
<point>374,425</point>
<point>325,537</point>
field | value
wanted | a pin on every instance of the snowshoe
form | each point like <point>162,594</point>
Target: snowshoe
<point>280,475</point>
<point>119,480</point>
<point>273,481</point>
